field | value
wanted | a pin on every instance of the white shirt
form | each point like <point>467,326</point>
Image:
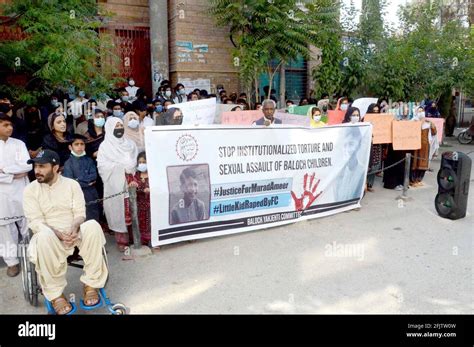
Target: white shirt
<point>132,91</point>
<point>148,121</point>
<point>13,158</point>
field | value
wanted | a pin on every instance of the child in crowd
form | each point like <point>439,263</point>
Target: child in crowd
<point>82,168</point>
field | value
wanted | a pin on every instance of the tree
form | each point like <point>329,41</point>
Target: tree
<point>269,33</point>
<point>61,48</point>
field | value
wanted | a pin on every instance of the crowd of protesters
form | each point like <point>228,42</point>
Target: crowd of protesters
<point>101,145</point>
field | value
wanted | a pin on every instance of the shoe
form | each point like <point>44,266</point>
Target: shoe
<point>370,189</point>
<point>399,187</point>
<point>13,271</point>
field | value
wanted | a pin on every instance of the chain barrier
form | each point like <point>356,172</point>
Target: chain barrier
<point>142,190</point>
<point>87,204</point>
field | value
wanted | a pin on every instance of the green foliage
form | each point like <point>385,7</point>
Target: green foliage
<point>61,47</point>
<point>268,33</point>
<point>426,58</point>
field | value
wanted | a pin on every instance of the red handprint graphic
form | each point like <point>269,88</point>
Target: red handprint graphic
<point>308,192</point>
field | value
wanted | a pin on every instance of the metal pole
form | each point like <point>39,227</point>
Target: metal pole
<point>406,181</point>
<point>132,192</point>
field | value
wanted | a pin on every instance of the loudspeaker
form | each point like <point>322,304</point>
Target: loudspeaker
<point>453,185</point>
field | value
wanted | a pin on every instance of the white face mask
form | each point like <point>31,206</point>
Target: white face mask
<point>344,107</point>
<point>78,155</point>
<point>142,167</point>
<point>168,93</point>
<point>355,119</point>
<point>316,118</point>
<point>133,123</point>
<point>131,83</point>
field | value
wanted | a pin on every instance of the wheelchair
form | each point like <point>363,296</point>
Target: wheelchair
<point>32,288</point>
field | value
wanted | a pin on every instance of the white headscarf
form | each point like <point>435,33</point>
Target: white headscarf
<point>118,150</point>
<point>135,135</point>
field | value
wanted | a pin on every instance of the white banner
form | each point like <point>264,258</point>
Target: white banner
<point>215,180</point>
<point>197,112</point>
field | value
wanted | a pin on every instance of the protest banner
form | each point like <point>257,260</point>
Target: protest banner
<point>292,119</point>
<point>200,112</point>
<point>221,108</point>
<point>406,135</point>
<point>252,177</point>
<point>335,117</point>
<point>382,127</point>
<point>301,110</point>
<point>240,117</point>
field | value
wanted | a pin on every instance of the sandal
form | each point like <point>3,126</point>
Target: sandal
<point>90,294</point>
<point>60,304</point>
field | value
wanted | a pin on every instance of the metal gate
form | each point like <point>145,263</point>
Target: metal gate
<point>133,48</point>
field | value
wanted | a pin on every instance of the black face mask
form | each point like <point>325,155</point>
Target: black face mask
<point>118,133</point>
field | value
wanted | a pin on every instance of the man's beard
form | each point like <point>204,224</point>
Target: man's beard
<point>46,178</point>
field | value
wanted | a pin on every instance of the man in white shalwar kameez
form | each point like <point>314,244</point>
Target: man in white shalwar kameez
<point>13,179</point>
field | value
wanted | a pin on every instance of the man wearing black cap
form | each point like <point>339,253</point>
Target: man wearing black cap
<point>13,179</point>
<point>54,207</point>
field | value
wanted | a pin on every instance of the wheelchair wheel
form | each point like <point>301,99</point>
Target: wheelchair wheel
<point>28,274</point>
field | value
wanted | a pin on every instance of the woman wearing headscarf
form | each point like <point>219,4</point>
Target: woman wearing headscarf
<point>58,139</point>
<point>422,156</point>
<point>432,110</point>
<point>95,133</point>
<point>375,162</point>
<point>342,104</point>
<point>116,158</point>
<point>315,117</point>
<point>134,131</point>
<point>174,116</point>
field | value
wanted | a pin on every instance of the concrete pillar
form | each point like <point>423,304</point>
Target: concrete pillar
<point>159,42</point>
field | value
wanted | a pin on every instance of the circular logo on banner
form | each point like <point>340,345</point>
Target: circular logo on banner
<point>187,147</point>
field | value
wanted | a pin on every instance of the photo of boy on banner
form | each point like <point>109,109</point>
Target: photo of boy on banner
<point>189,193</point>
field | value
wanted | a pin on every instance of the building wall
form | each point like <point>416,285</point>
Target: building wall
<point>191,25</point>
<point>127,12</point>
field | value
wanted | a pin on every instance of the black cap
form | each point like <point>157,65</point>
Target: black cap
<point>45,157</point>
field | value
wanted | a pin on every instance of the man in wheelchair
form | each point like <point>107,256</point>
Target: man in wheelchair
<point>54,207</point>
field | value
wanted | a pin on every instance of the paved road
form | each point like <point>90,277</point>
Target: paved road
<point>385,258</point>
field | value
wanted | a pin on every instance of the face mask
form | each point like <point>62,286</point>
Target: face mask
<point>168,93</point>
<point>118,113</point>
<point>131,83</point>
<point>142,167</point>
<point>133,123</point>
<point>159,108</point>
<point>55,103</point>
<point>118,133</point>
<point>355,119</point>
<point>182,92</point>
<point>99,122</point>
<point>124,98</point>
<point>78,155</point>
<point>420,115</point>
<point>344,107</point>
<point>82,94</point>
<point>316,118</point>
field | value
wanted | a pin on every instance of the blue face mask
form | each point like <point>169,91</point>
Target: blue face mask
<point>159,108</point>
<point>142,167</point>
<point>118,113</point>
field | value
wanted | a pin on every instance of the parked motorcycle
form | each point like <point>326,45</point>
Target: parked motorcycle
<point>465,136</point>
